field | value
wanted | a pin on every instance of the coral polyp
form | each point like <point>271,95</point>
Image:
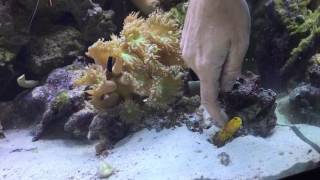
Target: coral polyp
<point>94,74</point>
<point>103,95</point>
<point>163,31</point>
<point>101,50</point>
<point>101,91</point>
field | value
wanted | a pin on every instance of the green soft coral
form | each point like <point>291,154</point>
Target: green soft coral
<point>131,112</point>
<point>167,85</point>
<point>179,12</point>
<point>146,61</point>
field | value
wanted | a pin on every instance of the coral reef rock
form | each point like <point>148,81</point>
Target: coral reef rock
<point>59,99</point>
<point>59,32</point>
<point>54,50</point>
<point>137,81</point>
<point>148,6</point>
<point>93,21</point>
<point>97,23</point>
<point>54,102</point>
<point>253,104</point>
<point>63,106</point>
<point>285,35</point>
<point>108,128</point>
<point>304,100</point>
<point>12,39</point>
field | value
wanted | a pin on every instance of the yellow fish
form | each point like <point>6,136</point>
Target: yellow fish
<point>228,131</point>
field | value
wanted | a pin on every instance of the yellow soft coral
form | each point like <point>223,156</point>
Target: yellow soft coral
<point>116,49</point>
<point>102,91</point>
<point>133,31</point>
<point>165,33</point>
<point>103,95</point>
<point>228,131</point>
<point>100,52</point>
<point>141,40</point>
<point>94,74</point>
<point>146,59</point>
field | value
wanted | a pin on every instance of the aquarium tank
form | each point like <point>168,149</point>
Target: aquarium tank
<point>159,89</point>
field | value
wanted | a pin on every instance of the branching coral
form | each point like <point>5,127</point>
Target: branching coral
<point>302,22</point>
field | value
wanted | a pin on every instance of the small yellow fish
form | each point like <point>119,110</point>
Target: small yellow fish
<point>228,131</point>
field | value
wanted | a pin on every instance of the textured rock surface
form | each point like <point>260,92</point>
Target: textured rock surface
<point>12,39</point>
<point>54,101</point>
<point>58,31</point>
<point>269,43</point>
<point>53,50</point>
<point>93,21</point>
<point>58,105</point>
<point>285,35</point>
<point>304,100</point>
<point>148,6</point>
<point>255,105</point>
<point>57,97</point>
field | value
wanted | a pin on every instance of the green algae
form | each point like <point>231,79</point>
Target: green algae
<point>303,24</point>
<point>61,100</point>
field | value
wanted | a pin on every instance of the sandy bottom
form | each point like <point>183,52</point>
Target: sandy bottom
<point>45,159</point>
<point>170,154</point>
